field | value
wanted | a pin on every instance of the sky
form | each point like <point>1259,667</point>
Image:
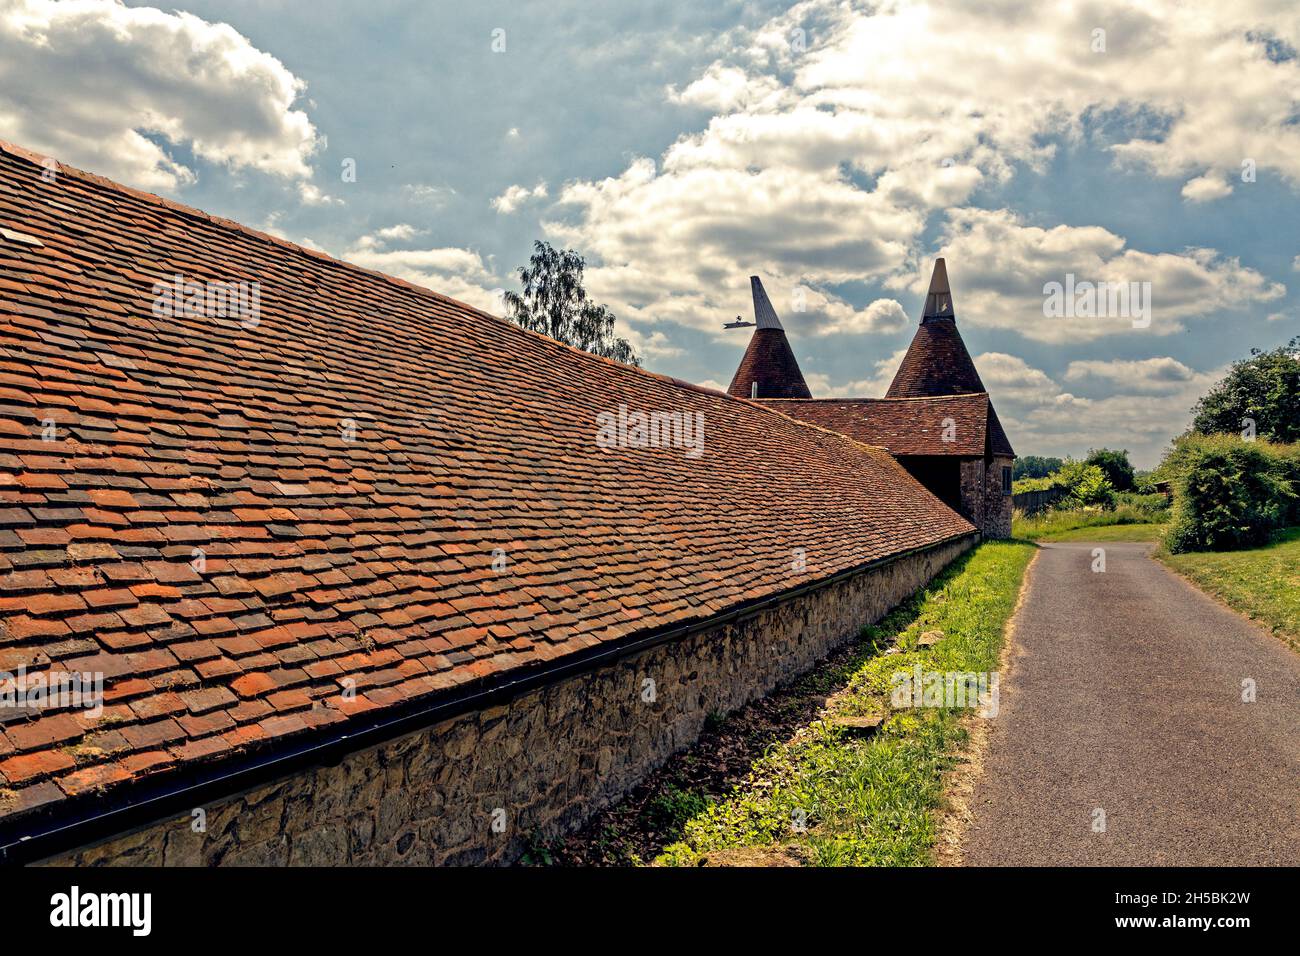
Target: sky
<point>832,148</point>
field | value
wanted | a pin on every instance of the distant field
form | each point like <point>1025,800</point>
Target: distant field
<point>1263,583</point>
<point>1108,532</point>
<point>1125,523</point>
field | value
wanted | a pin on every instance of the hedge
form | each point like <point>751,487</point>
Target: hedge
<point>1230,493</point>
<point>1085,485</point>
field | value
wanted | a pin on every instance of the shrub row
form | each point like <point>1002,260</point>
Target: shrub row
<point>1153,507</point>
<point>1230,493</point>
<point>1086,486</point>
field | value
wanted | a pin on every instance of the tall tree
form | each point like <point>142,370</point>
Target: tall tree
<point>1115,466</point>
<point>1263,389</point>
<point>554,303</point>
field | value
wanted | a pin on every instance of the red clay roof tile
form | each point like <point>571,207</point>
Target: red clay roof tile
<point>323,497</point>
<point>941,425</point>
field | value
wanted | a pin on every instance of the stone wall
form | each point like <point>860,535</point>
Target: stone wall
<point>973,476</point>
<point>481,787</point>
<point>982,500</point>
<point>997,504</point>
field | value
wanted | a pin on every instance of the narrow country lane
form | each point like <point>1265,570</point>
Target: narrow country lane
<point>1124,709</point>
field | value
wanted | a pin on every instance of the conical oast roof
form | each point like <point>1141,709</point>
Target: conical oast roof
<point>769,361</point>
<point>937,362</point>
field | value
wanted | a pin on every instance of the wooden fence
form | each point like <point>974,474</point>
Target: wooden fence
<point>1032,502</point>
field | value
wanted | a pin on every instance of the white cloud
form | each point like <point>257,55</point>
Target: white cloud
<point>1013,382</point>
<point>458,273</point>
<point>655,345</point>
<point>1207,187</point>
<point>401,232</point>
<point>724,88</point>
<point>427,194</point>
<point>1139,405</point>
<point>158,79</point>
<point>880,315</point>
<point>885,315</point>
<point>517,196</point>
<point>1162,374</point>
<point>824,168</point>
<point>999,266</point>
<point>311,195</point>
<point>875,386</point>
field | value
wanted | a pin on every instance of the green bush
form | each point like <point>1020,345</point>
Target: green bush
<point>1289,456</point>
<point>1230,493</point>
<point>1152,506</point>
<point>1115,466</point>
<point>1035,484</point>
<point>1086,486</point>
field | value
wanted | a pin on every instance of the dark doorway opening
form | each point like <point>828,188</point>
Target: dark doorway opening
<point>941,474</point>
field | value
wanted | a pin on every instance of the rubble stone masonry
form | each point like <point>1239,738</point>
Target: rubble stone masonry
<point>479,788</point>
<point>997,503</point>
<point>983,502</point>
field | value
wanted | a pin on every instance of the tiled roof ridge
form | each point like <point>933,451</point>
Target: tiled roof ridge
<point>39,159</point>
<point>766,405</point>
<point>901,426</point>
<point>888,398</point>
<point>193,212</point>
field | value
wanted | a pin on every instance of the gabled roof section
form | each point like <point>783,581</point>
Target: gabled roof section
<point>371,486</point>
<point>999,444</point>
<point>947,425</point>
<point>937,362</point>
<point>769,361</point>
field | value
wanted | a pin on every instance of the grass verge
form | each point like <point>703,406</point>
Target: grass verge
<point>827,797</point>
<point>1123,523</point>
<point>1108,532</point>
<point>1262,583</point>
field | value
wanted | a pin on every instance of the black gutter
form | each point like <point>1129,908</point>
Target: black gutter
<point>79,821</point>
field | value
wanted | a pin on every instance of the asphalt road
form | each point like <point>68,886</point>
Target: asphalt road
<point>1125,696</point>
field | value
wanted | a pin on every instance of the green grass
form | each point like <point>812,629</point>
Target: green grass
<point>1263,583</point>
<point>1108,532</point>
<point>1122,523</point>
<point>830,799</point>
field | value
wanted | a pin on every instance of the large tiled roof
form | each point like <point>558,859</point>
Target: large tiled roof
<point>999,443</point>
<point>373,487</point>
<point>903,426</point>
